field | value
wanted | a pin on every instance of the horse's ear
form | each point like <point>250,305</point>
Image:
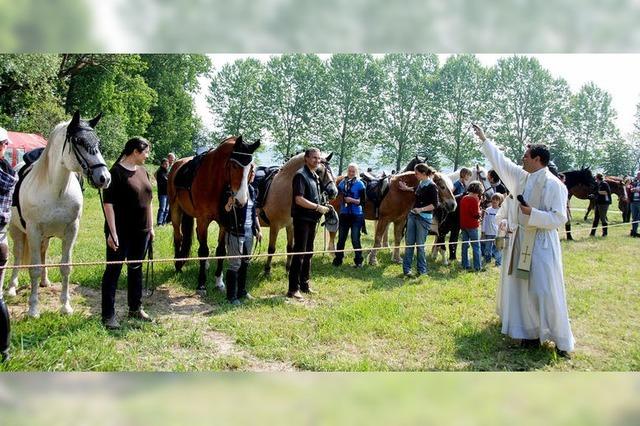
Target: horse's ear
<point>94,121</point>
<point>239,140</point>
<point>328,158</point>
<point>75,121</point>
<point>254,146</point>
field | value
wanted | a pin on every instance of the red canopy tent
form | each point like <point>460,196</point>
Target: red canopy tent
<point>19,143</point>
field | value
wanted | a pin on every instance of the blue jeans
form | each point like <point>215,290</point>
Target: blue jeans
<point>489,250</point>
<point>635,217</point>
<point>163,209</point>
<point>353,223</point>
<point>417,231</point>
<point>469,235</point>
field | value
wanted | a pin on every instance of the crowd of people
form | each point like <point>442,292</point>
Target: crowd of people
<point>516,229</point>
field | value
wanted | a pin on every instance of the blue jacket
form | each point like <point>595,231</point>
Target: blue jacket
<point>355,189</point>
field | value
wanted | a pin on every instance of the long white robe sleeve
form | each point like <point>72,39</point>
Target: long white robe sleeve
<point>534,308</point>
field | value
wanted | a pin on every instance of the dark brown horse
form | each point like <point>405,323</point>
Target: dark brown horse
<point>580,184</point>
<point>226,166</point>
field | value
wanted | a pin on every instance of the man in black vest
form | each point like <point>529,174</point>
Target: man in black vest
<point>306,211</point>
<point>603,200</point>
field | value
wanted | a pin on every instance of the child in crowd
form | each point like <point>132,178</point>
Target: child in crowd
<point>490,230</point>
<point>470,224</point>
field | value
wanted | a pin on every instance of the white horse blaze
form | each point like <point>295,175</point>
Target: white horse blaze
<point>242,195</point>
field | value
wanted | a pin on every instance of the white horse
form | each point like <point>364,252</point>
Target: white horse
<point>50,201</point>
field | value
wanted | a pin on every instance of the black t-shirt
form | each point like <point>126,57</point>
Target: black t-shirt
<point>426,195</point>
<point>131,194</point>
<point>603,199</point>
<point>305,184</point>
<point>162,178</point>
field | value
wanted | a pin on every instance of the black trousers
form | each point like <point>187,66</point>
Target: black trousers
<point>304,233</point>
<point>132,247</point>
<point>600,215</point>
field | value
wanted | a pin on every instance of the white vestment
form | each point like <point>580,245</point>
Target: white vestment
<point>535,308</point>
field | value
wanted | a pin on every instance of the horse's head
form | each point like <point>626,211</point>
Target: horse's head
<point>327,179</point>
<point>445,191</point>
<point>84,151</point>
<point>414,161</point>
<point>480,174</point>
<point>239,166</point>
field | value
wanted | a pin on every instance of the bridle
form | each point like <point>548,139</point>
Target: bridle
<point>73,142</point>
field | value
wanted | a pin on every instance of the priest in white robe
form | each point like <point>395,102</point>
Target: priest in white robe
<point>531,297</point>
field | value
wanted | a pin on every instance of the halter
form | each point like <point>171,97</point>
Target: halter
<point>80,158</point>
<point>325,187</point>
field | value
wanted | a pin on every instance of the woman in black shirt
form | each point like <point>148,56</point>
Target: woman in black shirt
<point>128,228</point>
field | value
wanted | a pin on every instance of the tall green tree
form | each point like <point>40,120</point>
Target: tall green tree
<point>527,106</point>
<point>30,96</point>
<point>618,157</point>
<point>115,85</point>
<point>462,96</point>
<point>410,115</point>
<point>174,123</point>
<point>291,95</point>
<point>591,125</point>
<point>234,98</point>
<point>634,142</point>
<point>352,106</point>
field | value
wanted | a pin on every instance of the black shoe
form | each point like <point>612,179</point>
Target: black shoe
<point>530,343</point>
<point>563,354</point>
<point>308,290</point>
<point>295,295</point>
<point>111,323</point>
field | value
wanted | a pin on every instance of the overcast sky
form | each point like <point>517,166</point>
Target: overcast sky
<point>618,74</point>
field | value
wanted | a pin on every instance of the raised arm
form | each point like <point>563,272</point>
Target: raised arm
<point>510,173</point>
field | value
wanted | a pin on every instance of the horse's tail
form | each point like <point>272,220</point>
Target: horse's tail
<point>183,249</point>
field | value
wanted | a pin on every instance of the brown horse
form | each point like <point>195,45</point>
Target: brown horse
<point>580,184</point>
<point>394,209</point>
<point>617,187</point>
<point>277,205</point>
<point>226,166</point>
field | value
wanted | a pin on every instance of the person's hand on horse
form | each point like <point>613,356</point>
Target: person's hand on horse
<point>403,186</point>
<point>112,242</point>
<point>322,209</point>
<point>479,133</point>
<point>229,204</point>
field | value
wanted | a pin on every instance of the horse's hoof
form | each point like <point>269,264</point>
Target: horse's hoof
<point>397,260</point>
<point>66,309</point>
<point>201,291</point>
<point>45,284</point>
<point>34,313</point>
<point>373,262</point>
<point>11,291</point>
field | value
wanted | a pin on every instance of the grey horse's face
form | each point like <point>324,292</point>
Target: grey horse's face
<point>84,147</point>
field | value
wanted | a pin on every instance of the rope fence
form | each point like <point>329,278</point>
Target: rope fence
<point>577,229</point>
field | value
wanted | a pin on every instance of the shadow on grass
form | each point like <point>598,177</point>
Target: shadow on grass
<point>489,350</point>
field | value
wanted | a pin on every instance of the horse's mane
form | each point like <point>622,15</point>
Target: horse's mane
<point>577,177</point>
<point>292,165</point>
<point>41,166</point>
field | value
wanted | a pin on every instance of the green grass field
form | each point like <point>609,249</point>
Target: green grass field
<point>367,319</point>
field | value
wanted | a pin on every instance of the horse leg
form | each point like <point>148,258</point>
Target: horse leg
<point>220,251</point>
<point>289,230</point>
<point>203,251</point>
<point>176,221</point>
<point>398,228</point>
<point>385,238</point>
<point>589,208</point>
<point>35,241</point>
<point>44,280</point>
<point>273,236</point>
<point>453,241</point>
<point>381,227</point>
<point>19,242</point>
<point>332,246</point>
<point>65,271</point>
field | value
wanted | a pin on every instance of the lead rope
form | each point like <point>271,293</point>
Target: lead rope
<point>149,284</point>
